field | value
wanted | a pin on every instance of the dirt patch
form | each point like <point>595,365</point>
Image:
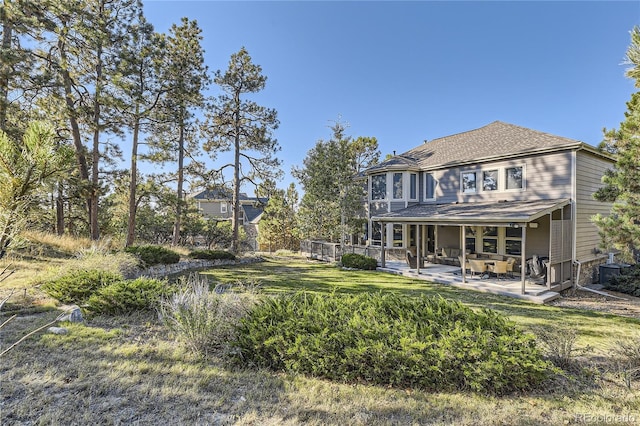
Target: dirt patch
<point>628,306</point>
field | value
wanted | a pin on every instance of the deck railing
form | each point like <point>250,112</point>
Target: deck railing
<point>331,252</point>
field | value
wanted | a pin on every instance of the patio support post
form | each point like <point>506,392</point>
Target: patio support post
<point>523,262</point>
<point>548,283</point>
<point>418,251</point>
<point>463,247</point>
<point>383,228</point>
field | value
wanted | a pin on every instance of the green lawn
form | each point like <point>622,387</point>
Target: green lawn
<point>277,275</point>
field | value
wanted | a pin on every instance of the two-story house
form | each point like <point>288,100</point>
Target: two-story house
<point>497,190</point>
<point>217,204</point>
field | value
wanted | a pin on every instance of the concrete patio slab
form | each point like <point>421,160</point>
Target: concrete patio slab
<point>451,275</point>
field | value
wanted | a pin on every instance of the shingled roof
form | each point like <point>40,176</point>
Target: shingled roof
<point>493,141</point>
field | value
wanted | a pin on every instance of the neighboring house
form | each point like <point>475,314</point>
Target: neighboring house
<point>218,204</point>
<point>497,190</point>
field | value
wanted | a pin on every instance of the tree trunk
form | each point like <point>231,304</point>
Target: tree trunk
<point>131,228</point>
<point>236,194</point>
<point>60,211</point>
<point>7,30</point>
<point>73,122</point>
<point>95,154</point>
<point>177,223</point>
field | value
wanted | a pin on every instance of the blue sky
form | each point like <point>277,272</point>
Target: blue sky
<point>404,72</point>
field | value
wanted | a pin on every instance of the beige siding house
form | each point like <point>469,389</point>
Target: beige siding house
<point>500,191</point>
<point>217,205</point>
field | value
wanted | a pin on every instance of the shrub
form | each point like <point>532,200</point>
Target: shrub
<point>559,345</point>
<point>358,261</point>
<point>628,282</point>
<point>77,286</point>
<point>127,296</point>
<point>390,339</point>
<point>626,354</point>
<point>205,321</point>
<point>212,255</point>
<point>154,255</point>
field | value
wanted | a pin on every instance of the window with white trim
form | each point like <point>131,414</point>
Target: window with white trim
<point>490,239</point>
<point>490,180</point>
<point>223,207</point>
<point>379,187</point>
<point>413,186</point>
<point>397,235</point>
<point>468,182</point>
<point>376,233</point>
<point>514,177</point>
<point>397,186</point>
<point>470,239</point>
<point>429,187</point>
<point>513,241</point>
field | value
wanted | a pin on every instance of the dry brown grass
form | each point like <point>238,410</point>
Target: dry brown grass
<point>130,370</point>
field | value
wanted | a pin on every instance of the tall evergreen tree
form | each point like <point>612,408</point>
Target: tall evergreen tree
<point>138,90</point>
<point>333,191</point>
<point>84,39</point>
<point>186,78</point>
<point>279,225</point>
<point>244,127</point>
<point>621,228</point>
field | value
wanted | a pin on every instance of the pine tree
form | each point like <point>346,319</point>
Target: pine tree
<point>278,226</point>
<point>243,127</point>
<point>621,228</point>
<point>185,77</point>
<point>25,168</point>
<point>333,191</point>
<point>138,91</point>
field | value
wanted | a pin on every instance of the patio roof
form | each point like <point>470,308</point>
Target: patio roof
<point>495,212</point>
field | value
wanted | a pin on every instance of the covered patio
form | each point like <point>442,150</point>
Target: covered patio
<point>488,230</point>
<point>451,275</point>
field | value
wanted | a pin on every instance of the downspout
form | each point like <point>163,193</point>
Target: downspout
<point>579,287</point>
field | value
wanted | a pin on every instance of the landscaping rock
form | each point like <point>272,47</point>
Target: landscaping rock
<point>74,316</point>
<point>58,330</point>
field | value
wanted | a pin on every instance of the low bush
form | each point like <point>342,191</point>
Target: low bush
<point>390,339</point>
<point>154,255</point>
<point>358,261</point>
<point>212,255</point>
<point>559,345</point>
<point>77,286</point>
<point>203,320</point>
<point>127,296</point>
<point>626,355</point>
<point>628,282</point>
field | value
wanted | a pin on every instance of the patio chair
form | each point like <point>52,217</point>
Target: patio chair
<point>412,260</point>
<point>511,263</point>
<point>499,268</point>
<point>466,265</point>
<point>477,266</point>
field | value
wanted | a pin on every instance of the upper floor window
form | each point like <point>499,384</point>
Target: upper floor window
<point>413,186</point>
<point>397,186</point>
<point>223,207</point>
<point>514,178</point>
<point>379,187</point>
<point>468,182</point>
<point>429,187</point>
<point>490,180</point>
